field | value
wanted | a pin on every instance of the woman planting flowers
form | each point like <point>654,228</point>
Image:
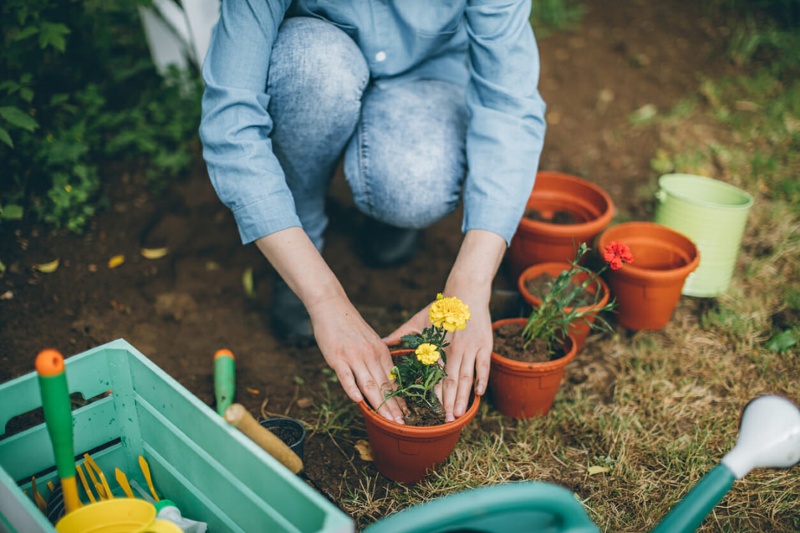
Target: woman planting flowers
<point>416,374</point>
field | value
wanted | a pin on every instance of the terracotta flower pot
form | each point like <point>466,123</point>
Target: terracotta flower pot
<point>579,329</point>
<point>406,453</point>
<point>523,389</point>
<point>538,241</point>
<point>648,290</point>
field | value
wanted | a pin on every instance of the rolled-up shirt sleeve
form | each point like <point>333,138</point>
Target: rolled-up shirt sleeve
<point>506,129</point>
<point>235,125</point>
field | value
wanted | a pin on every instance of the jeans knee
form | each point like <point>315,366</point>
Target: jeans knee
<point>409,197</point>
<point>316,59</point>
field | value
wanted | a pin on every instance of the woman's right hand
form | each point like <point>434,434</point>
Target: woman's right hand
<point>356,353</point>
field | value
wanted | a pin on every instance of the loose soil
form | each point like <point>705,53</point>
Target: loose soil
<point>509,343</point>
<point>179,309</point>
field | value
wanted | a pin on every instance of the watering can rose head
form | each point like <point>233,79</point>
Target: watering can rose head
<point>416,374</point>
<point>562,303</point>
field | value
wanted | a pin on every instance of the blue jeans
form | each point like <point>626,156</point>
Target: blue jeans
<point>403,144</point>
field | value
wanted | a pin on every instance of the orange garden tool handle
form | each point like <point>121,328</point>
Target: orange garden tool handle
<point>240,418</point>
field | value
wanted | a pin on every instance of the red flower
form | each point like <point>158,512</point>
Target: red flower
<point>616,254</point>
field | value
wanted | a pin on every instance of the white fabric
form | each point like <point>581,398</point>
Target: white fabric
<point>178,32</point>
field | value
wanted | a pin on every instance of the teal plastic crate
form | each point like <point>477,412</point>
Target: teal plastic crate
<point>213,472</point>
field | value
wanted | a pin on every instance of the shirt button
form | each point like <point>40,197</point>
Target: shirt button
<point>380,56</point>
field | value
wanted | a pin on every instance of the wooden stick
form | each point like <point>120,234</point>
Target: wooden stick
<point>240,418</point>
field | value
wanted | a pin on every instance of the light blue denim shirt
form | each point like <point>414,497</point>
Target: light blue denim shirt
<point>487,45</point>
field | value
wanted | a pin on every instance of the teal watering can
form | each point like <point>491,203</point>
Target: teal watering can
<point>769,436</point>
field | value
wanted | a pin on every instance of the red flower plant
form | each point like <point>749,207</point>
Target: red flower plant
<point>616,254</point>
<point>550,321</point>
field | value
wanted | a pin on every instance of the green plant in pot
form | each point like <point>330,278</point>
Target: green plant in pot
<point>407,452</point>
<point>415,374</point>
<point>530,354</point>
<point>566,297</point>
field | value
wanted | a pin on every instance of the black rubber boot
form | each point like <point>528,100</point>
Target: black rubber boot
<point>290,320</point>
<point>388,246</point>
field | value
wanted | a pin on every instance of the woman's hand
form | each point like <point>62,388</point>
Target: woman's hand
<point>356,353</point>
<point>349,345</point>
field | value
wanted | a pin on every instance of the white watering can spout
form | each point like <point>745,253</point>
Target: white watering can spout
<point>769,436</point>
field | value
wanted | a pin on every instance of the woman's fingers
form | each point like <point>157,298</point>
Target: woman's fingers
<point>375,388</point>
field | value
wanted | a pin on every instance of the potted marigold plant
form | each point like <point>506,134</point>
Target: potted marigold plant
<point>530,354</point>
<point>407,452</point>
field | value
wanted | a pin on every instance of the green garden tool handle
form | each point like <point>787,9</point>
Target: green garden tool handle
<point>690,512</point>
<point>58,417</point>
<point>224,379</point>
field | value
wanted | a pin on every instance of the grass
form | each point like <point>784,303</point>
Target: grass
<point>658,410</point>
<point>548,16</point>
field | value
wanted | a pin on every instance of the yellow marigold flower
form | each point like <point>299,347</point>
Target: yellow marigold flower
<point>449,313</point>
<point>427,353</point>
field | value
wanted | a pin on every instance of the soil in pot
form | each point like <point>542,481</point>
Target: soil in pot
<point>421,413</point>
<point>509,342</point>
<point>556,217</point>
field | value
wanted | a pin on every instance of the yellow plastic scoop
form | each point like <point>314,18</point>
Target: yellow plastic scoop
<point>146,471</point>
<point>122,479</point>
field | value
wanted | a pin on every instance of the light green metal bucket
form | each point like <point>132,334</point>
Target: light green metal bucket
<point>711,213</point>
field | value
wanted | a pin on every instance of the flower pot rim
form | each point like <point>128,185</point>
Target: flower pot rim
<point>539,268</point>
<point>590,227</point>
<point>637,272</point>
<point>523,366</point>
<point>421,431</point>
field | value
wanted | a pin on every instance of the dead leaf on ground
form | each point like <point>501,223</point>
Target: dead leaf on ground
<point>247,283</point>
<point>598,470</point>
<point>116,261</point>
<point>154,253</point>
<point>8,295</point>
<point>48,268</point>
<point>305,403</point>
<point>364,450</point>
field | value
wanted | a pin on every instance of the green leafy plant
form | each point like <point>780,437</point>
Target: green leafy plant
<point>549,322</point>
<point>80,90</point>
